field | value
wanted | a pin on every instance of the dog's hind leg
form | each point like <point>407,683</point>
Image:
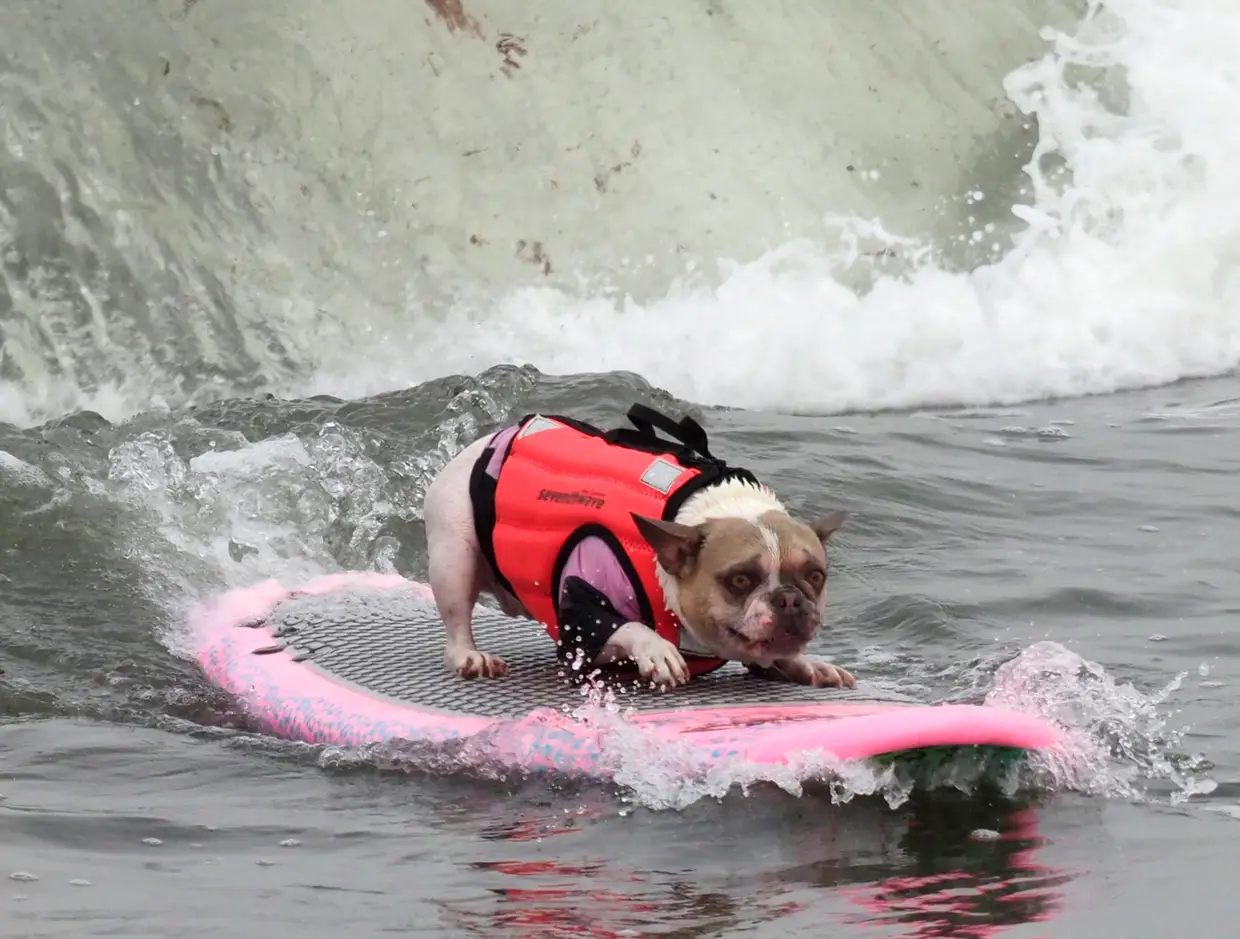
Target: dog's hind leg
<point>457,574</point>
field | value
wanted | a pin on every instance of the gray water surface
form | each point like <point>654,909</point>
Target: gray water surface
<point>211,209</point>
<point>1087,537</point>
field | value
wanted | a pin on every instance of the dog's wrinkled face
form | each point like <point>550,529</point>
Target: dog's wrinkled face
<point>751,591</point>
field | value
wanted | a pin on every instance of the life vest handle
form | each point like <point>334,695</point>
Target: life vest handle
<point>686,430</point>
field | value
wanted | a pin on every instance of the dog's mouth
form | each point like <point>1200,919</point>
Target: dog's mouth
<point>741,637</point>
<point>769,647</point>
<point>749,642</point>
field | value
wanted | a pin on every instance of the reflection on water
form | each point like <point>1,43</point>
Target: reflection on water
<point>932,869</point>
<point>961,885</point>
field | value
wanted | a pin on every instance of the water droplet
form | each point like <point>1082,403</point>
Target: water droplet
<point>263,862</point>
<point>23,877</point>
<point>153,842</point>
<point>79,882</point>
<point>290,843</point>
<point>984,834</point>
<point>1158,637</point>
<point>1147,528</point>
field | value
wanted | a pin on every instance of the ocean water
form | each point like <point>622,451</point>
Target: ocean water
<point>973,278</point>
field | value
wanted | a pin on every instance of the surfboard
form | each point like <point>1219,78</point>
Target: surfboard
<point>357,658</point>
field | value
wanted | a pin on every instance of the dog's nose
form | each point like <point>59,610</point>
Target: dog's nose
<point>789,600</point>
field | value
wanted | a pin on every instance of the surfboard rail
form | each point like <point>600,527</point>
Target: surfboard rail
<point>243,650</point>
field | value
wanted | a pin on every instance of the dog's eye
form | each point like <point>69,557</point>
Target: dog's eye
<point>740,583</point>
<point>816,579</point>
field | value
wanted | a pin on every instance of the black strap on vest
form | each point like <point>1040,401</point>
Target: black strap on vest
<point>694,449</point>
<point>686,430</point>
<point>690,447</point>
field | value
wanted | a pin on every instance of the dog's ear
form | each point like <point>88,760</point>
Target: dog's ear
<point>827,525</point>
<point>675,545</point>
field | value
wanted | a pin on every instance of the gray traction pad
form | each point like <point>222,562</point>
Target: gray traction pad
<point>391,643</point>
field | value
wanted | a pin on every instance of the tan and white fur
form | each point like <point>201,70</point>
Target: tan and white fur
<point>745,579</point>
<point>738,532</point>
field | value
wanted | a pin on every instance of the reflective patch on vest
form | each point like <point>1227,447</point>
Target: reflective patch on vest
<point>661,475</point>
<point>536,424</point>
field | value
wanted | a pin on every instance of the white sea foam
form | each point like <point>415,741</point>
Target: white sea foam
<point>1125,274</point>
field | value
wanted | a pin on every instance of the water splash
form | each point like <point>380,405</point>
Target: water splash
<point>1117,745</point>
<point>1118,742</point>
<point>293,505</point>
<point>654,773</point>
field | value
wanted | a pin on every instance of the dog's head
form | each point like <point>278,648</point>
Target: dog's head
<point>750,589</point>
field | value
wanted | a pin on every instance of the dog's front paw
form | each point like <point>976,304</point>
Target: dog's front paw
<point>659,661</point>
<point>470,663</point>
<point>825,675</point>
<point>817,673</point>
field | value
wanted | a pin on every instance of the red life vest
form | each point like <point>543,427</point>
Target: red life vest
<point>564,480</point>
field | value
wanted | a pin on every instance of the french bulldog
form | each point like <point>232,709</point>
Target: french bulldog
<point>746,580</point>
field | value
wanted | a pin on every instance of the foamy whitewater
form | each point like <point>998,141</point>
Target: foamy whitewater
<point>1124,275</point>
<point>1120,273</point>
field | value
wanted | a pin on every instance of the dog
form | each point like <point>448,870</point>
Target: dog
<point>630,549</point>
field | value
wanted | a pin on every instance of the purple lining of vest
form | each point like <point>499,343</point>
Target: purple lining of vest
<point>592,560</point>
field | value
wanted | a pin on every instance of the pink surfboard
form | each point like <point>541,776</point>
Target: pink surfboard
<point>355,659</point>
